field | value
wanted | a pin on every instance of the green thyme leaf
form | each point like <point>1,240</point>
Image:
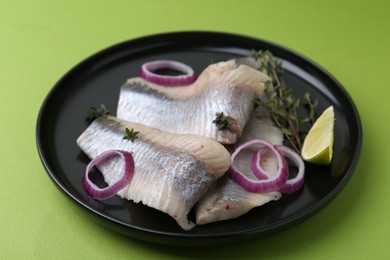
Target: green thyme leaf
<point>130,135</point>
<point>93,112</point>
<point>221,121</point>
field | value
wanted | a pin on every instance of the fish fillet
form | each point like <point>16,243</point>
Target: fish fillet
<point>221,87</point>
<point>172,172</point>
<point>227,199</point>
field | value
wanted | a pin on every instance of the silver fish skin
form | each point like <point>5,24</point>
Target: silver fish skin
<point>221,87</point>
<point>172,172</point>
<point>227,199</point>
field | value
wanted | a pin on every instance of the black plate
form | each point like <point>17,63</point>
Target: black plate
<point>97,80</point>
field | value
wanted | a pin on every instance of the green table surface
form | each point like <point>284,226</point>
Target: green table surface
<point>41,40</point>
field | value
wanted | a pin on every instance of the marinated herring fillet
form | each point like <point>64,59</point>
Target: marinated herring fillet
<point>221,87</point>
<point>172,172</point>
<point>227,199</point>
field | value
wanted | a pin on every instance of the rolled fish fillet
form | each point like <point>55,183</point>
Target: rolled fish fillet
<point>172,172</point>
<point>221,87</point>
<point>227,199</point>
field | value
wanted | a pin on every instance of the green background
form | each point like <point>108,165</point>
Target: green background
<point>41,40</point>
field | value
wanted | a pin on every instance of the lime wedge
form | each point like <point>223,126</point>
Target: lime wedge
<point>318,145</point>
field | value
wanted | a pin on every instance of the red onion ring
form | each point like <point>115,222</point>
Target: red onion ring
<point>294,184</point>
<point>167,80</point>
<point>260,186</point>
<point>107,192</point>
<point>289,186</point>
<point>256,168</point>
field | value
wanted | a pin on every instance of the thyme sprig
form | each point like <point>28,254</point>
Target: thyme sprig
<point>221,121</point>
<point>289,113</point>
<point>130,135</point>
<point>93,112</point>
